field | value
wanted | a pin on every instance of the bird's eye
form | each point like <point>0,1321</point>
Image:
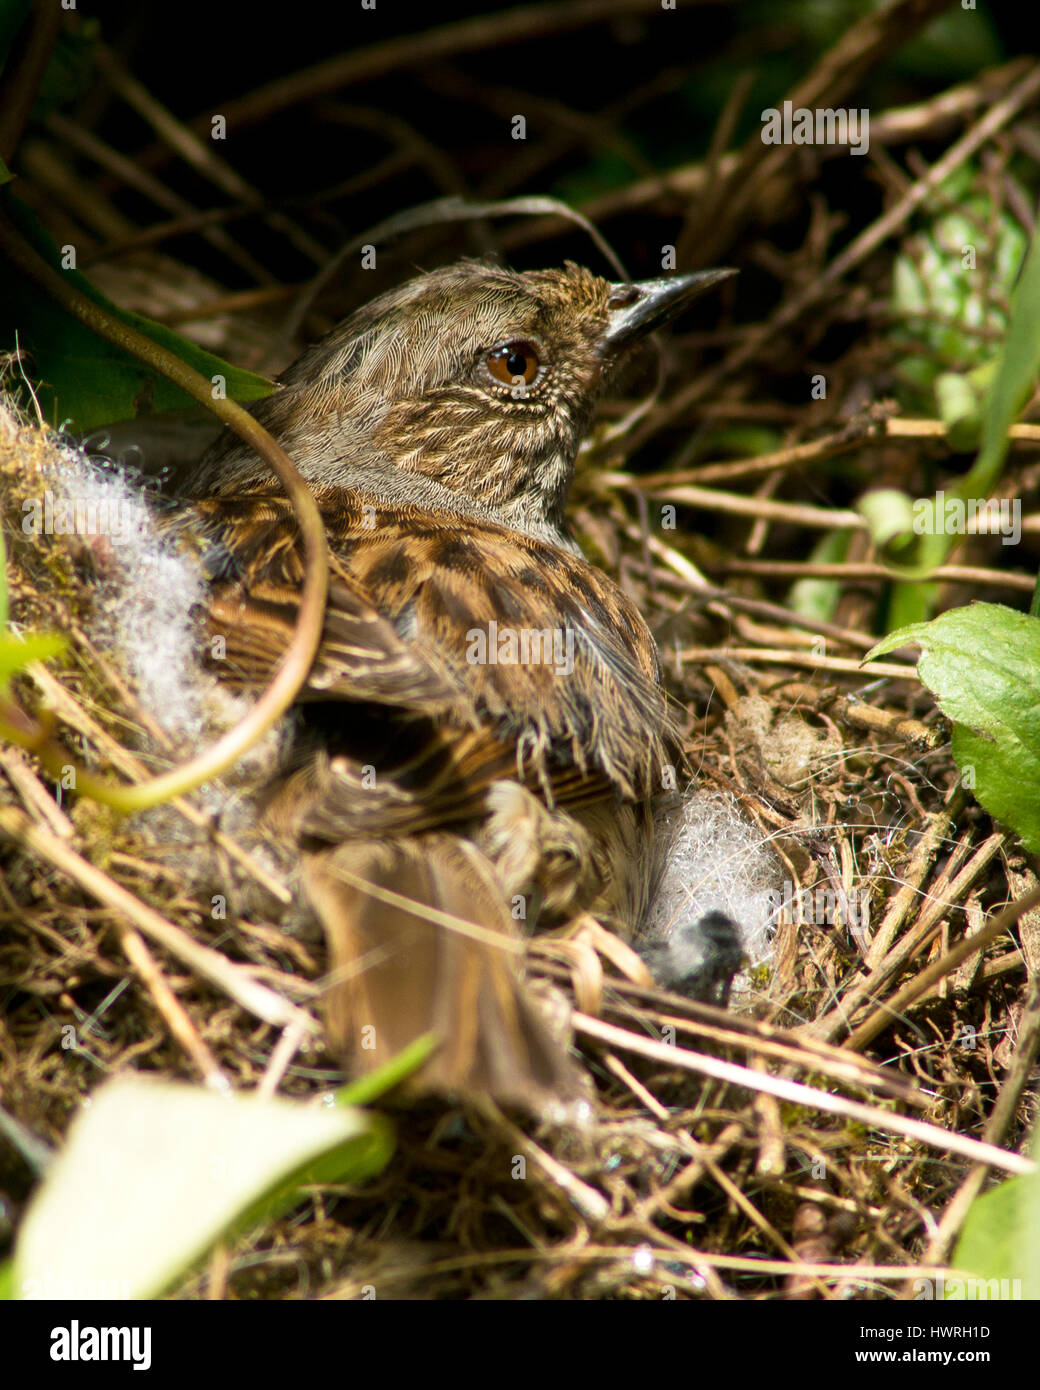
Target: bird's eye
<point>514,364</point>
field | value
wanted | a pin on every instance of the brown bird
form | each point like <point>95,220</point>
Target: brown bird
<point>483,735</point>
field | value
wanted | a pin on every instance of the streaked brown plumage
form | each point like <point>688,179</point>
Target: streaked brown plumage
<point>439,427</point>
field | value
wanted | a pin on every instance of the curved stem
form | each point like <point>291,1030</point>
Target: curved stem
<point>299,654</point>
<point>25,73</point>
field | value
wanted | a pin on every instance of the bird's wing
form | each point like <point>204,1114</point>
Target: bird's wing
<point>428,618</point>
<point>252,552</point>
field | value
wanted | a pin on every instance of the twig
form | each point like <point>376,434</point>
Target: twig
<point>1015,1082</point>
<point>736,504</point>
<point>284,1051</point>
<point>785,656</point>
<point>833,1024</point>
<point>72,712</point>
<point>33,793</point>
<point>170,1007</point>
<point>200,154</point>
<point>426,48</point>
<point>946,574</point>
<point>940,900</point>
<point>888,1012</point>
<point>233,979</point>
<point>809,1096</point>
<point>871,40</point>
<point>160,193</point>
<point>589,1202</point>
<point>24,71</point>
<point>862,246</point>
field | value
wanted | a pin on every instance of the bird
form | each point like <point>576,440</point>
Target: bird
<point>699,959</point>
<point>483,737</point>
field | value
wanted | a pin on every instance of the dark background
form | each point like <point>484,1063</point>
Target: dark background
<point>639,91</point>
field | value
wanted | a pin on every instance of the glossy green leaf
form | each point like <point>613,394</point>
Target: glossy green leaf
<point>982,663</point>
<point>83,378</point>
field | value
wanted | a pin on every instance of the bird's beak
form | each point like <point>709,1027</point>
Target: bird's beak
<point>638,309</point>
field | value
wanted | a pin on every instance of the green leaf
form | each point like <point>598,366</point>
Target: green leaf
<point>1013,383</point>
<point>889,515</point>
<point>817,599</point>
<point>910,602</point>
<point>365,1089</point>
<point>1017,367</point>
<point>17,652</point>
<point>83,378</point>
<point>153,1173</point>
<point>1001,1238</point>
<point>982,663</point>
<point>959,405</point>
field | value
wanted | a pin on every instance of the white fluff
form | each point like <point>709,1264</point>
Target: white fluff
<point>718,861</point>
<point>150,586</point>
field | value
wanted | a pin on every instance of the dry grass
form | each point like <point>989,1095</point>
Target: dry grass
<point>691,1174</point>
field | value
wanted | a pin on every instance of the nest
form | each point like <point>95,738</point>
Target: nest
<point>821,1140</point>
<point>706,1174</point>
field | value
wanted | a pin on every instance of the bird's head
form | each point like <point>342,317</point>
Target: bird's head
<point>479,378</point>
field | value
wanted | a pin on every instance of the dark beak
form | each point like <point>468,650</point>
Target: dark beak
<point>638,309</point>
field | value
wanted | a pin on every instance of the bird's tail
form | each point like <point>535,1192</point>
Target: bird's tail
<point>399,974</point>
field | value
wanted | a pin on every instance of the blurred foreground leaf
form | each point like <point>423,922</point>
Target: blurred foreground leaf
<point>1001,1238</point>
<point>153,1173</point>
